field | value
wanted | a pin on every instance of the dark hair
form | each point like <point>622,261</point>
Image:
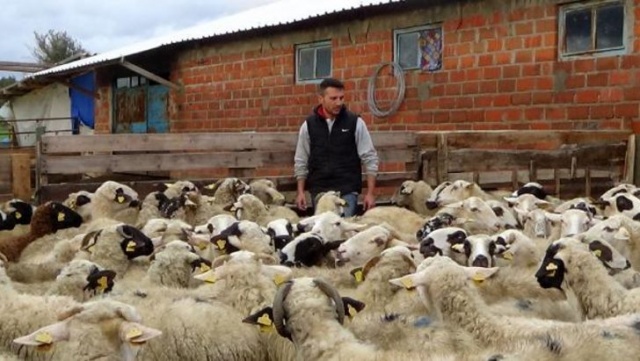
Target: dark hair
<point>330,83</point>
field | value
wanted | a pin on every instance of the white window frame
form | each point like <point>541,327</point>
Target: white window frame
<point>315,46</point>
<point>396,49</point>
<point>627,29</point>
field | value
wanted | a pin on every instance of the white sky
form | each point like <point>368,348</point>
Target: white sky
<point>102,25</point>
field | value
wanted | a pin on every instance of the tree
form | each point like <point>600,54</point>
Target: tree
<point>5,81</point>
<point>54,46</point>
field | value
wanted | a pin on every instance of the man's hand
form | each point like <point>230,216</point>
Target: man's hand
<point>301,201</point>
<point>369,201</point>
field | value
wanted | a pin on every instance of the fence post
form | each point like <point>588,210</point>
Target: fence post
<point>21,176</point>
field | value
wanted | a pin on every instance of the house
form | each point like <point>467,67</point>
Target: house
<point>467,65</point>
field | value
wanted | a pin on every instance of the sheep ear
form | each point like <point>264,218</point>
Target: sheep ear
<point>553,217</point>
<point>479,274</point>
<point>262,318</point>
<point>46,336</point>
<point>208,277</point>
<point>358,274</point>
<point>330,246</point>
<point>169,185</point>
<point>279,274</point>
<point>352,306</point>
<point>511,201</point>
<point>135,333</point>
<point>542,204</point>
<point>408,282</point>
<point>622,235</point>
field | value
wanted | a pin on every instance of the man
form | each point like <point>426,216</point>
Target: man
<point>333,143</point>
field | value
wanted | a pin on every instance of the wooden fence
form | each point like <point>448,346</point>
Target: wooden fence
<point>568,163</point>
<point>15,173</point>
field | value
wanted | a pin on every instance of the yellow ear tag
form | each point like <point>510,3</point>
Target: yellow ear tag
<point>279,279</point>
<point>131,247</point>
<point>551,267</point>
<point>351,311</point>
<point>44,337</point>
<point>358,275</point>
<point>120,199</point>
<point>60,217</point>
<point>264,320</point>
<point>478,278</point>
<point>210,278</point>
<point>103,283</point>
<point>133,333</point>
<point>202,246</point>
<point>18,215</point>
<point>72,205</point>
<point>458,247</point>
<point>204,268</point>
<point>222,244</point>
<point>507,255</point>
<point>408,283</point>
<point>597,253</point>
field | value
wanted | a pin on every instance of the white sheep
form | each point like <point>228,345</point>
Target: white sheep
<point>330,202</point>
<point>173,265</point>
<point>447,288</point>
<point>81,203</point>
<point>568,263</point>
<point>244,235</point>
<point>249,207</point>
<point>281,232</point>
<point>413,196</point>
<point>473,214</point>
<point>525,203</point>
<point>330,226</point>
<point>115,201</point>
<point>572,221</point>
<point>404,222</point>
<point>456,192</point>
<point>227,190</point>
<point>504,213</point>
<point>266,191</point>
<point>311,313</point>
<point>365,245</point>
<point>82,280</point>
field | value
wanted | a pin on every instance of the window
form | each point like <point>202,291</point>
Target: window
<point>418,48</point>
<point>130,82</point>
<point>313,61</point>
<point>592,28</point>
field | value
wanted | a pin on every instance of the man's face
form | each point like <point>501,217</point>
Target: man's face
<point>332,100</point>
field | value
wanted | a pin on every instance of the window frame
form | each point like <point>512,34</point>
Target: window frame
<point>593,6</point>
<point>413,29</point>
<point>315,46</point>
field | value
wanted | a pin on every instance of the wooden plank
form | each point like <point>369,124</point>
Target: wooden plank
<point>597,157</point>
<point>443,159</point>
<point>149,75</point>
<point>630,160</point>
<point>58,192</point>
<point>5,170</point>
<point>21,175</point>
<point>530,139</point>
<point>197,142</point>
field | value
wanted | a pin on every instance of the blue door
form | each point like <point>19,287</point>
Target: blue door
<point>141,109</point>
<point>157,114</point>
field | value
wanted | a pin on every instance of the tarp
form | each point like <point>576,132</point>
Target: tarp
<point>49,102</point>
<point>82,105</point>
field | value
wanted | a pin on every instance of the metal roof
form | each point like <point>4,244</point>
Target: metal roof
<point>279,13</point>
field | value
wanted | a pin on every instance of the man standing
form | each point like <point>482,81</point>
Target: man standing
<point>333,143</point>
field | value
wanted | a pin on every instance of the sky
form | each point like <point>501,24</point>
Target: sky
<point>101,25</point>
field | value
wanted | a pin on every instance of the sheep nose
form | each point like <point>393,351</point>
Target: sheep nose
<point>628,265</point>
<point>134,204</point>
<point>432,205</point>
<point>480,261</point>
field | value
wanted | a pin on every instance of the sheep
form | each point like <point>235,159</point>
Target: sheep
<point>330,226</point>
<point>115,201</point>
<point>194,207</point>
<point>533,188</point>
<point>363,246</point>
<point>266,191</point>
<point>619,231</point>
<point>536,224</point>
<point>572,221</point>
<point>330,201</point>
<point>310,312</point>
<point>82,280</point>
<point>457,192</point>
<point>281,232</point>
<point>244,235</point>
<point>115,246</point>
<point>438,221</point>
<point>93,330</point>
<point>249,207</point>
<point>441,241</point>
<point>200,237</point>
<point>150,208</point>
<point>504,213</point>
<point>413,196</point>
<point>307,249</point>
<point>403,221</point>
<point>15,217</point>
<point>445,286</point>
<point>622,203</point>
<point>619,189</point>
<point>568,262</point>
<point>432,201</point>
<point>162,230</point>
<point>47,218</point>
<point>172,266</point>
<point>518,250</point>
<point>80,202</point>
<point>473,214</point>
<point>525,203</point>
<point>227,190</point>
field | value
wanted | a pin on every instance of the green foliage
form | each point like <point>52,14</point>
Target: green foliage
<point>5,81</point>
<point>54,46</point>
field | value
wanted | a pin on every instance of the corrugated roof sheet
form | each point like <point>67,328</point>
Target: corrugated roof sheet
<point>275,14</point>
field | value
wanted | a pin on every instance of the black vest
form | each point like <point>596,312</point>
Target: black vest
<point>334,163</point>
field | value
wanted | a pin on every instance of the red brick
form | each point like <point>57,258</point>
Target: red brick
<point>524,28</point>
<point>470,87</point>
<point>533,113</point>
<point>622,77</point>
<point>526,84</point>
<point>575,81</point>
<point>492,73</point>
<point>555,113</point>
<point>544,84</point>
<point>611,94</point>
<point>524,56</point>
<point>513,43</point>
<point>602,111</point>
<point>505,86</point>
<point>540,126</point>
<point>482,101</point>
<point>608,63</point>
<point>485,60</point>
<point>489,86</point>
<point>578,112</point>
<point>475,116</point>
<point>542,98</point>
<point>493,115</point>
<point>596,80</point>
<point>632,94</point>
<point>504,58</point>
<point>630,61</point>
<point>453,89</point>
<point>521,99</point>
<point>512,115</point>
<point>511,71</point>
<point>545,55</point>
<point>587,96</point>
<point>584,65</point>
<point>502,100</point>
<point>546,26</point>
<point>630,110</point>
<point>533,41</point>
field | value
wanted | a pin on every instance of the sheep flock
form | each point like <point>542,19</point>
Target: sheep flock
<point>448,272</point>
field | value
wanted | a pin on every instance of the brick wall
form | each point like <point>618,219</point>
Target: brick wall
<point>500,71</point>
